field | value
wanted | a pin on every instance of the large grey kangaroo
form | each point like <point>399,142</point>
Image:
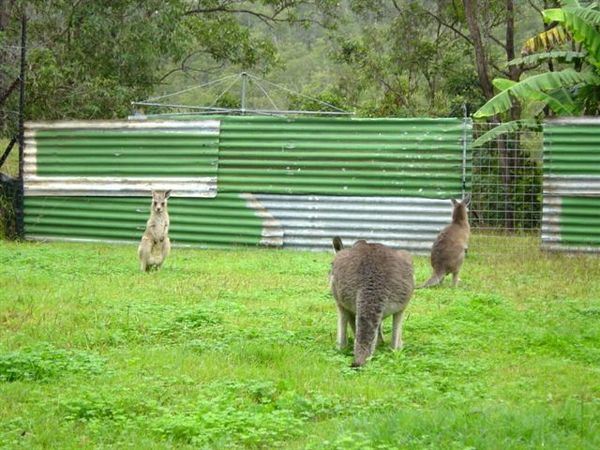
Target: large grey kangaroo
<point>448,251</point>
<point>155,244</point>
<point>370,282</point>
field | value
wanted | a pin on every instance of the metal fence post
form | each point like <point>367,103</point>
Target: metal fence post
<point>464,155</point>
<point>20,225</point>
<point>244,76</point>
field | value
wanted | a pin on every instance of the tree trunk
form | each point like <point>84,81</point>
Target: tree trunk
<point>514,70</point>
<point>481,62</point>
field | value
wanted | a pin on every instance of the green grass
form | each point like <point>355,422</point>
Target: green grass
<point>235,349</point>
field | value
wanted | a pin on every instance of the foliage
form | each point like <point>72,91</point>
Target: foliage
<point>236,349</point>
<point>91,59</point>
<point>507,128</point>
<point>537,88</point>
<point>400,70</point>
<point>321,102</point>
<point>40,364</point>
<point>558,55</point>
<point>506,177</point>
<point>404,58</point>
<point>565,92</point>
<point>8,195</point>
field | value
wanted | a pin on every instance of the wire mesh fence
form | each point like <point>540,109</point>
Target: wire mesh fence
<point>506,186</point>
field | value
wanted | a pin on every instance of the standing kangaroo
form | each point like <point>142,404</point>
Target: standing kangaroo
<point>155,244</point>
<point>370,282</point>
<point>448,251</point>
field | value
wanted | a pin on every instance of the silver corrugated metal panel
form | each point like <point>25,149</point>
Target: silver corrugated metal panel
<point>573,185</point>
<point>310,222</point>
<point>571,212</point>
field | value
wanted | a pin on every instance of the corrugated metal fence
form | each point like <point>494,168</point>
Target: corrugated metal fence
<point>247,180</point>
<point>571,210</point>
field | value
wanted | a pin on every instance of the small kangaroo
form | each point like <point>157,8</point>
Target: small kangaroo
<point>448,251</point>
<point>155,244</point>
<point>370,282</point>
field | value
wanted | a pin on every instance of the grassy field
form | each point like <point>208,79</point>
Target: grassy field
<point>236,349</point>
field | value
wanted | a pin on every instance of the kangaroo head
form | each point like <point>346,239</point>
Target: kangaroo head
<point>461,209</point>
<point>159,200</point>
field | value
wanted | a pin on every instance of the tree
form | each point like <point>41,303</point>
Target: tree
<point>8,60</point>
<point>90,59</point>
<point>573,41</point>
<point>430,57</point>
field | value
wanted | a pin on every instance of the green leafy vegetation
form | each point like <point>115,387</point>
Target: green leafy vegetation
<point>236,349</point>
<point>11,165</point>
<point>572,90</point>
<point>89,60</point>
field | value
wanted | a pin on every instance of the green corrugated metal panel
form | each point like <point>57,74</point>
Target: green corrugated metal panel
<point>363,159</point>
<point>580,221</point>
<point>572,147</point>
<point>222,221</point>
<point>73,150</point>
<point>391,157</point>
<point>116,158</point>
<point>571,217</point>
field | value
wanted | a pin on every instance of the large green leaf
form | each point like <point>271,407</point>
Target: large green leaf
<point>563,108</point>
<point>523,90</point>
<point>589,15</point>
<point>503,83</point>
<point>506,128</point>
<point>581,23</point>
<point>559,55</point>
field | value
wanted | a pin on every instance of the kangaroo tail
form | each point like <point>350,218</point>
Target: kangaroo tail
<point>435,279</point>
<point>369,314</point>
<point>337,244</point>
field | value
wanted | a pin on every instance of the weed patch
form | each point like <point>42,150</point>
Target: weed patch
<point>254,414</point>
<point>46,362</point>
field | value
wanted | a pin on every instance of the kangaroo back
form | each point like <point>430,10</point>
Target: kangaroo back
<point>369,282</point>
<point>448,250</point>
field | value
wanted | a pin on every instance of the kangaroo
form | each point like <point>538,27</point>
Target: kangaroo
<point>448,251</point>
<point>155,244</point>
<point>370,282</point>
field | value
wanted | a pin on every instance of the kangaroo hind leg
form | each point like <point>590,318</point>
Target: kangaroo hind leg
<point>396,343</point>
<point>145,254</point>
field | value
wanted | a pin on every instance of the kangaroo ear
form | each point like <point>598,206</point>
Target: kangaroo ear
<point>337,244</point>
<point>167,194</point>
<point>454,202</point>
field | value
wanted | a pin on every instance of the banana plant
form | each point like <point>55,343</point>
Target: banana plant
<point>571,91</point>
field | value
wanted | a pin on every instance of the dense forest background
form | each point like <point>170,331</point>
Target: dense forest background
<point>91,59</point>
